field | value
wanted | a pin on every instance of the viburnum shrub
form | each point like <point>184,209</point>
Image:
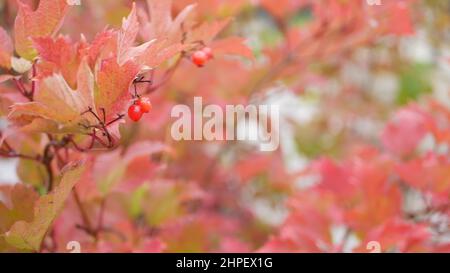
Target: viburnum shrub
<point>85,99</point>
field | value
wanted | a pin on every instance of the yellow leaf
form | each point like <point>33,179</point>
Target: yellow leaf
<point>26,235</point>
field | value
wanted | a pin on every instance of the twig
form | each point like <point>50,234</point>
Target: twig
<point>84,215</point>
<point>47,161</point>
<point>101,214</point>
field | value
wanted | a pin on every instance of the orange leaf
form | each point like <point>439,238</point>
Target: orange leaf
<point>6,49</point>
<point>56,101</point>
<point>58,55</point>
<point>26,235</point>
<point>44,21</point>
<point>113,83</point>
<point>159,52</point>
<point>16,205</point>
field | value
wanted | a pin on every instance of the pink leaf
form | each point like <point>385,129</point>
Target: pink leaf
<point>208,31</point>
<point>127,35</point>
<point>113,83</point>
<point>405,130</point>
<point>232,46</point>
<point>6,49</point>
<point>159,24</point>
<point>158,52</point>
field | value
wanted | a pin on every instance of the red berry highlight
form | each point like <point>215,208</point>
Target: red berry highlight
<point>208,52</point>
<point>145,104</point>
<point>199,58</point>
<point>135,112</point>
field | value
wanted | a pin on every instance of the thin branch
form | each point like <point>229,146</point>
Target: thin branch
<point>84,215</point>
<point>47,159</point>
<point>101,215</point>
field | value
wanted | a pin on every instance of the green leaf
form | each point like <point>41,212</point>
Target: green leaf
<point>32,172</point>
<point>162,206</point>
<point>414,82</point>
<point>138,196</point>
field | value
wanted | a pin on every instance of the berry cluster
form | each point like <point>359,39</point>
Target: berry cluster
<point>200,57</point>
<point>139,107</point>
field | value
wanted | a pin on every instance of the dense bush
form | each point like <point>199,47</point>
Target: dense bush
<point>86,99</point>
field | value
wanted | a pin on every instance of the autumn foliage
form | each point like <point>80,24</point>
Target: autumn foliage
<point>85,99</point>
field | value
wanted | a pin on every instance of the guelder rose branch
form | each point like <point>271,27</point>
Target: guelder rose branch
<point>254,123</point>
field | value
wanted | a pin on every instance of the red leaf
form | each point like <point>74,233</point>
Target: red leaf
<point>58,55</point>
<point>400,236</point>
<point>430,174</point>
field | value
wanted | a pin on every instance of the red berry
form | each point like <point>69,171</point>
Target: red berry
<point>145,104</point>
<point>208,52</point>
<point>135,112</point>
<point>199,58</point>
